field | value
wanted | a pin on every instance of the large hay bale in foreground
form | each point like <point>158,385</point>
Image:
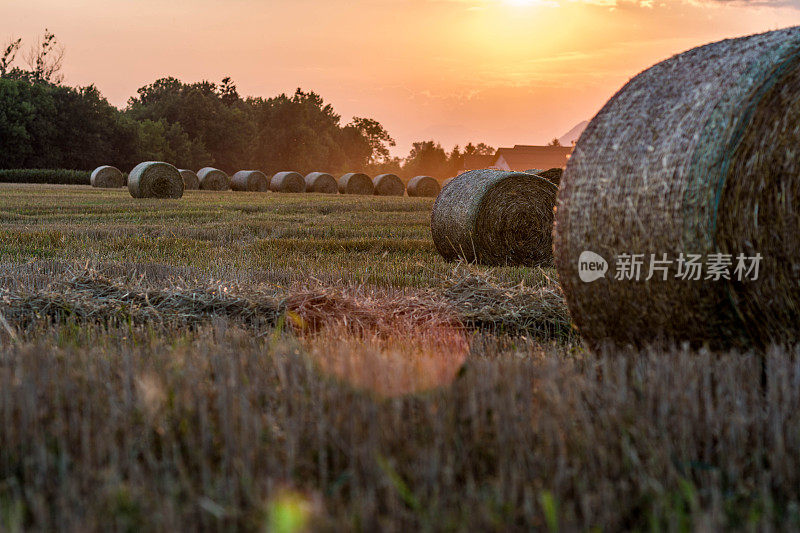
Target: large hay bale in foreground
<point>213,179</point>
<point>495,217</point>
<point>388,185</point>
<point>356,183</point>
<point>423,186</point>
<point>155,179</point>
<point>287,182</point>
<point>250,181</point>
<point>696,155</point>
<point>107,177</point>
<point>190,179</point>
<point>321,182</point>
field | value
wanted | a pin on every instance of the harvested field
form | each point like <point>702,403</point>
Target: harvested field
<point>217,360</point>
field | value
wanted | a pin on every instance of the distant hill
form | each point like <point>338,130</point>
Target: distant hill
<point>572,135</point>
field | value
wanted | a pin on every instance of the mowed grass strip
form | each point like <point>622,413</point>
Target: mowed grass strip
<point>282,238</point>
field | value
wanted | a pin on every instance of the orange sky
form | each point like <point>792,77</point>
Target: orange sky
<point>499,71</point>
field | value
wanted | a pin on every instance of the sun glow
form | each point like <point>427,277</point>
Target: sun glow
<point>521,3</point>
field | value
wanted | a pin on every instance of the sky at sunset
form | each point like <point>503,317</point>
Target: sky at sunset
<point>500,71</point>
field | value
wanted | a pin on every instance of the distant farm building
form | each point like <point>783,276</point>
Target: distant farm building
<point>521,157</point>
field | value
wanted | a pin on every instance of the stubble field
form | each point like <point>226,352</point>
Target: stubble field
<point>284,362</point>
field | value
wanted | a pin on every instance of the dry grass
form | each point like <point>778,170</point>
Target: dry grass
<point>249,358</point>
<point>127,429</point>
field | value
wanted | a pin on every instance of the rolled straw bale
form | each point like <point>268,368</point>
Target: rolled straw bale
<point>321,182</point>
<point>388,185</point>
<point>696,155</point>
<point>495,217</point>
<point>107,177</point>
<point>155,179</point>
<point>250,181</point>
<point>287,182</point>
<point>423,186</point>
<point>447,182</point>
<point>212,179</point>
<point>356,183</point>
<point>190,179</point>
<point>553,175</point>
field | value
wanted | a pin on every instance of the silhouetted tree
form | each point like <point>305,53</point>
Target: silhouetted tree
<point>9,55</point>
<point>427,157</point>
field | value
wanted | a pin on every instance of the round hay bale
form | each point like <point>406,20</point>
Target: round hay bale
<point>696,156</point>
<point>155,179</point>
<point>356,183</point>
<point>553,175</point>
<point>287,182</point>
<point>107,177</point>
<point>447,182</point>
<point>250,181</point>
<point>494,217</point>
<point>212,179</point>
<point>388,185</point>
<point>190,179</point>
<point>321,182</point>
<point>423,186</point>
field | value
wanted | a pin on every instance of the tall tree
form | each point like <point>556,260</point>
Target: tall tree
<point>427,158</point>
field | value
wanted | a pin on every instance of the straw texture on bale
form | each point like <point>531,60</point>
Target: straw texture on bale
<point>212,179</point>
<point>388,185</point>
<point>696,155</point>
<point>423,186</point>
<point>553,175</point>
<point>321,182</point>
<point>287,182</point>
<point>250,181</point>
<point>447,182</point>
<point>155,179</point>
<point>107,177</point>
<point>190,179</point>
<point>356,183</point>
<point>495,217</point>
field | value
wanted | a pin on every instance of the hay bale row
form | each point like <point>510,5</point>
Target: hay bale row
<point>423,186</point>
<point>155,179</point>
<point>356,183</point>
<point>190,179</point>
<point>494,217</point>
<point>287,182</point>
<point>212,179</point>
<point>107,177</point>
<point>696,155</point>
<point>321,182</point>
<point>250,181</point>
<point>388,185</point>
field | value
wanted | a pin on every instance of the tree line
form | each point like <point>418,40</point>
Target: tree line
<point>46,124</point>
